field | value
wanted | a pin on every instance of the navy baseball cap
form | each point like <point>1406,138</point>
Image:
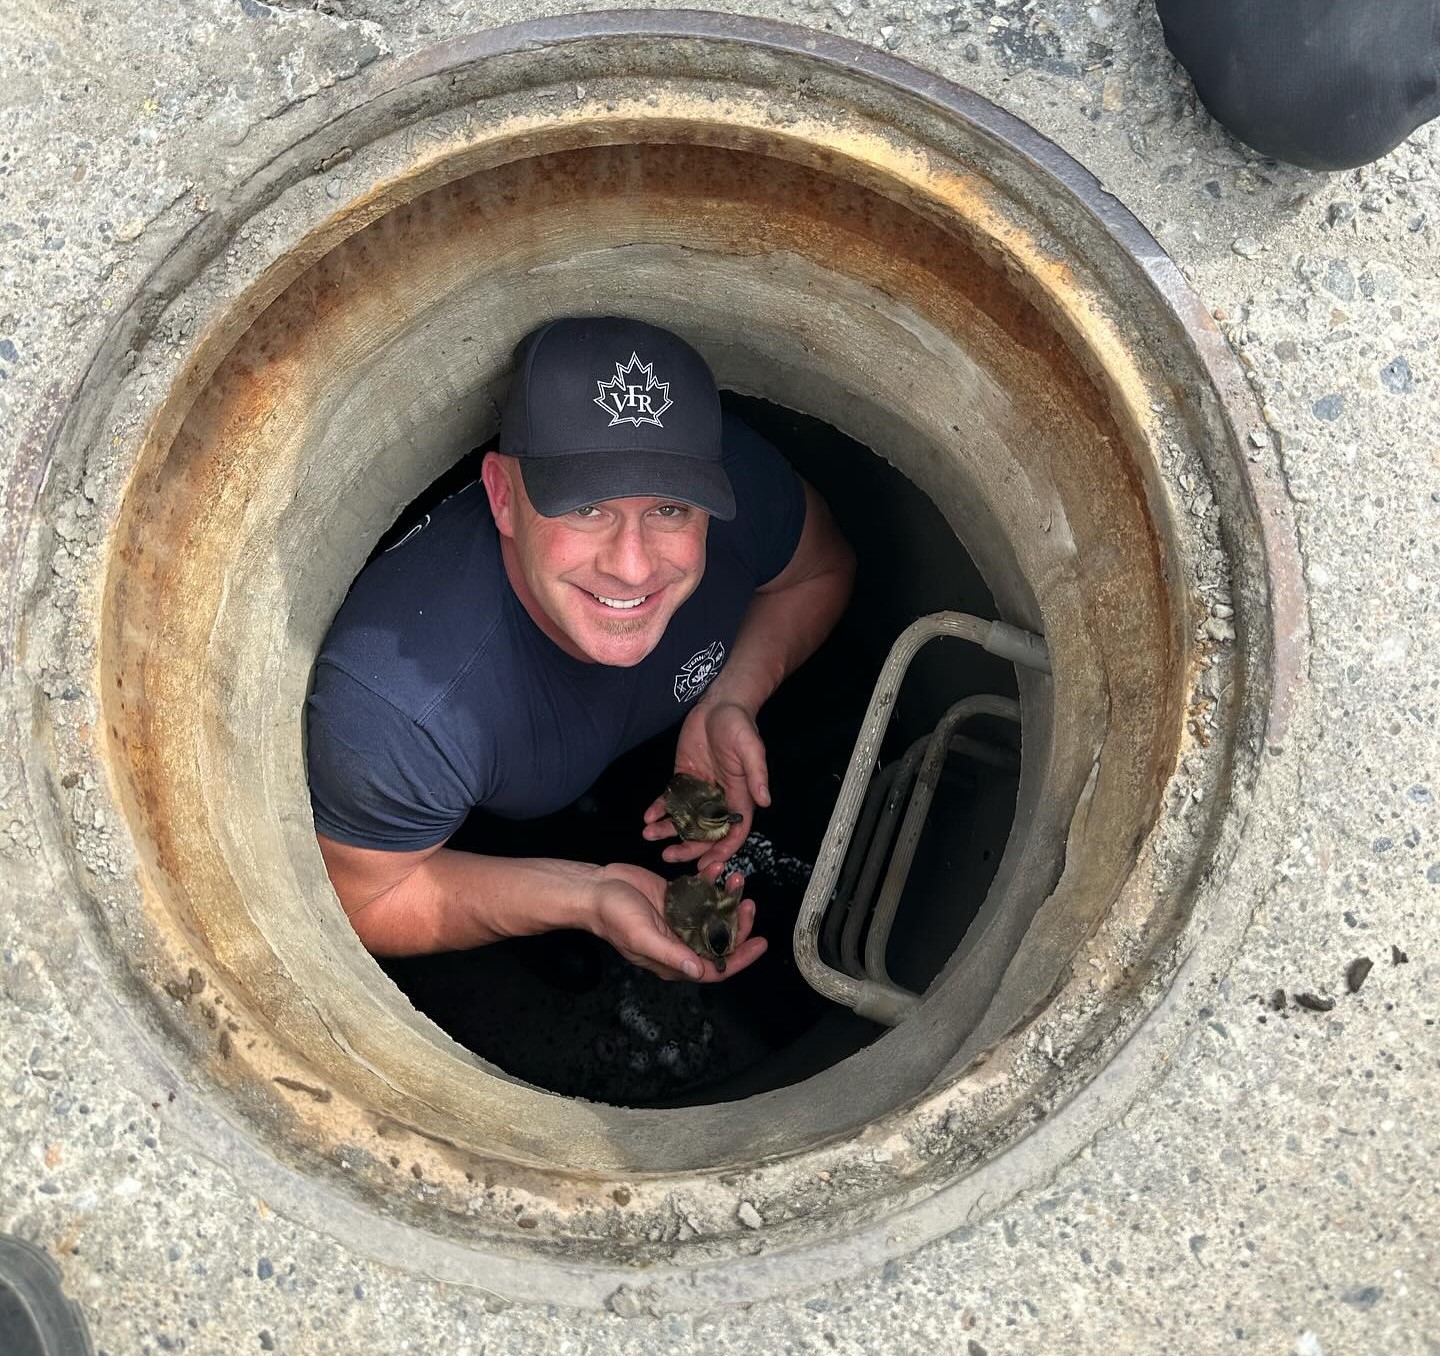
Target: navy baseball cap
<point>604,408</point>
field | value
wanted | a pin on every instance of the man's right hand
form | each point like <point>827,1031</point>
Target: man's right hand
<point>628,911</point>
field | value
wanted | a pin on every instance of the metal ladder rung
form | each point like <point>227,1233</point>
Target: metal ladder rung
<point>916,813</point>
<point>875,995</point>
<point>890,794</point>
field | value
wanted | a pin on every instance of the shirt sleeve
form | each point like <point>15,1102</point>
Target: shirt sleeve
<point>769,501</point>
<point>377,779</point>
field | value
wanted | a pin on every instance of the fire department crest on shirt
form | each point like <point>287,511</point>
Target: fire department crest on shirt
<point>697,671</point>
<point>633,395</point>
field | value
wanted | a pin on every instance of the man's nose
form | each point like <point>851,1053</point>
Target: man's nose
<point>627,555</point>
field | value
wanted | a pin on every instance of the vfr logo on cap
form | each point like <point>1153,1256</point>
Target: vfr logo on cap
<point>634,396</point>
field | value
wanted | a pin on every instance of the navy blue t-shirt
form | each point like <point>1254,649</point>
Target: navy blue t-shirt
<point>435,692</point>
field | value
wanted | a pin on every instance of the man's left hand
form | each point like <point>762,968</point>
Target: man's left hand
<point>720,743</point>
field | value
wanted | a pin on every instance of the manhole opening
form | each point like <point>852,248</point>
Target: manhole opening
<point>567,1014</point>
<point>885,309</point>
<point>935,279</point>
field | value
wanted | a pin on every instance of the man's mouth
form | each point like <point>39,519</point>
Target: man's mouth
<point>613,604</point>
<point>620,604</point>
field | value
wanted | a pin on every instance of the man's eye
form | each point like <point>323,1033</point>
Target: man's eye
<point>586,511</point>
<point>672,510</point>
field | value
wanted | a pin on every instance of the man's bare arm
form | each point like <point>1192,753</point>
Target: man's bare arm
<point>790,616</point>
<point>439,899</point>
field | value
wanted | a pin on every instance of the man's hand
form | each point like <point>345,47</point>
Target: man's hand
<point>720,743</point>
<point>628,911</point>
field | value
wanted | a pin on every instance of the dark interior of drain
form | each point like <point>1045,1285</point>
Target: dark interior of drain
<point>566,1013</point>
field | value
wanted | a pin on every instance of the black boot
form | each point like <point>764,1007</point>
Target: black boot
<point>1328,84</point>
<point>35,1317</point>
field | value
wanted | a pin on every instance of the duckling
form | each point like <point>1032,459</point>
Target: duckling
<point>697,809</point>
<point>703,916</point>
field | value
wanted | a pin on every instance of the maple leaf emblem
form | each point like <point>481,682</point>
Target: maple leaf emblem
<point>633,396</point>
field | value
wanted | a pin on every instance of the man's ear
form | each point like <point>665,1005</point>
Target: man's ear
<point>496,473</point>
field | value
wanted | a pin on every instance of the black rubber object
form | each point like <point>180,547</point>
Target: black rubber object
<point>1327,84</point>
<point>35,1317</point>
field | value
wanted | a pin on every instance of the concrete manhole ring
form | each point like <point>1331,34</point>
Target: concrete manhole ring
<point>839,232</point>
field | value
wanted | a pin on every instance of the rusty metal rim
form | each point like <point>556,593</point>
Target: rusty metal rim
<point>403,177</point>
<point>128,333</point>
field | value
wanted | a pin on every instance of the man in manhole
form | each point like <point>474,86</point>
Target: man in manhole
<point>629,559</point>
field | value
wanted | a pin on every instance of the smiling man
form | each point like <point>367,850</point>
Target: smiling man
<point>630,559</point>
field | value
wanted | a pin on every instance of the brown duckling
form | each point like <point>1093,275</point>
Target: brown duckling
<point>704,916</point>
<point>697,809</point>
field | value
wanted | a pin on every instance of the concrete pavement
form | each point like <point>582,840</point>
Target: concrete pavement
<point>1275,1188</point>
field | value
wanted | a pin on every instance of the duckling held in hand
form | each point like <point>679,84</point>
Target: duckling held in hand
<point>704,916</point>
<point>697,809</point>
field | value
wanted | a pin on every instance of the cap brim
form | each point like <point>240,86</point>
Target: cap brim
<point>557,485</point>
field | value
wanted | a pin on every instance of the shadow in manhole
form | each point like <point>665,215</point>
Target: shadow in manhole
<point>565,1012</point>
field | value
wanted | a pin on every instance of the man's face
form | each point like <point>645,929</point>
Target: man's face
<point>606,578</point>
